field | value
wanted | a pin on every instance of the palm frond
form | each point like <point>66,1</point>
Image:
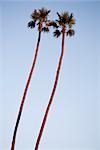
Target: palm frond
<point>59,22</point>
<point>48,12</point>
<point>70,32</point>
<point>53,24</point>
<point>35,15</point>
<point>71,20</point>
<point>45,29</point>
<point>65,15</point>
<point>43,13</point>
<point>31,24</point>
<point>70,17</point>
<point>59,15</point>
<point>63,18</point>
<point>57,33</point>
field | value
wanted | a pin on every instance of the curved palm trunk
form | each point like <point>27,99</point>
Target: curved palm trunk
<point>52,94</point>
<point>25,92</point>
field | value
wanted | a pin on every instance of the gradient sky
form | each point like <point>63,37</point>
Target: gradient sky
<point>74,119</point>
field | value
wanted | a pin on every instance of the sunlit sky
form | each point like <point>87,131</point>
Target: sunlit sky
<point>74,118</point>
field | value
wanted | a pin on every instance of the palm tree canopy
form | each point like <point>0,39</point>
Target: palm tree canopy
<point>65,20</point>
<point>39,16</point>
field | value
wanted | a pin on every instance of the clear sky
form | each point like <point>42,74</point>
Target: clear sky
<point>74,119</point>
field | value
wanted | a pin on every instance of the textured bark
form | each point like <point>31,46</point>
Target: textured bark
<point>52,94</point>
<point>25,92</point>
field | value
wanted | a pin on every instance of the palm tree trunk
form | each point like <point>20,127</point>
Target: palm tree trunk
<point>52,94</point>
<point>25,92</point>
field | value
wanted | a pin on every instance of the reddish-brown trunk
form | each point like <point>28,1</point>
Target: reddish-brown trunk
<point>52,94</point>
<point>25,92</point>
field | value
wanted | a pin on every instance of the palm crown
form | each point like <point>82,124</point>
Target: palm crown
<point>40,18</point>
<point>64,21</point>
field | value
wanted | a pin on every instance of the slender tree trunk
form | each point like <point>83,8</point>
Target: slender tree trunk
<point>52,94</point>
<point>25,92</point>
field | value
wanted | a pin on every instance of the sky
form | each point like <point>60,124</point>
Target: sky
<point>74,118</point>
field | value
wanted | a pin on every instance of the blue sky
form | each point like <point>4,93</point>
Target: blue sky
<point>73,121</point>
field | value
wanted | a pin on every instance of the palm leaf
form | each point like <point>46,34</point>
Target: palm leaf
<point>57,33</point>
<point>31,24</point>
<point>70,32</point>
<point>70,17</point>
<point>59,15</point>
<point>71,21</point>
<point>48,11</point>
<point>63,18</point>
<point>53,24</point>
<point>35,15</point>
<point>65,15</point>
<point>43,13</point>
<point>45,29</point>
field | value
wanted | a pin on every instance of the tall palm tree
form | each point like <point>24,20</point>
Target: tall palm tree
<point>39,18</point>
<point>63,26</point>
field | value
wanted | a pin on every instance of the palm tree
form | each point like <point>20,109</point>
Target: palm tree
<point>63,26</point>
<point>39,18</point>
